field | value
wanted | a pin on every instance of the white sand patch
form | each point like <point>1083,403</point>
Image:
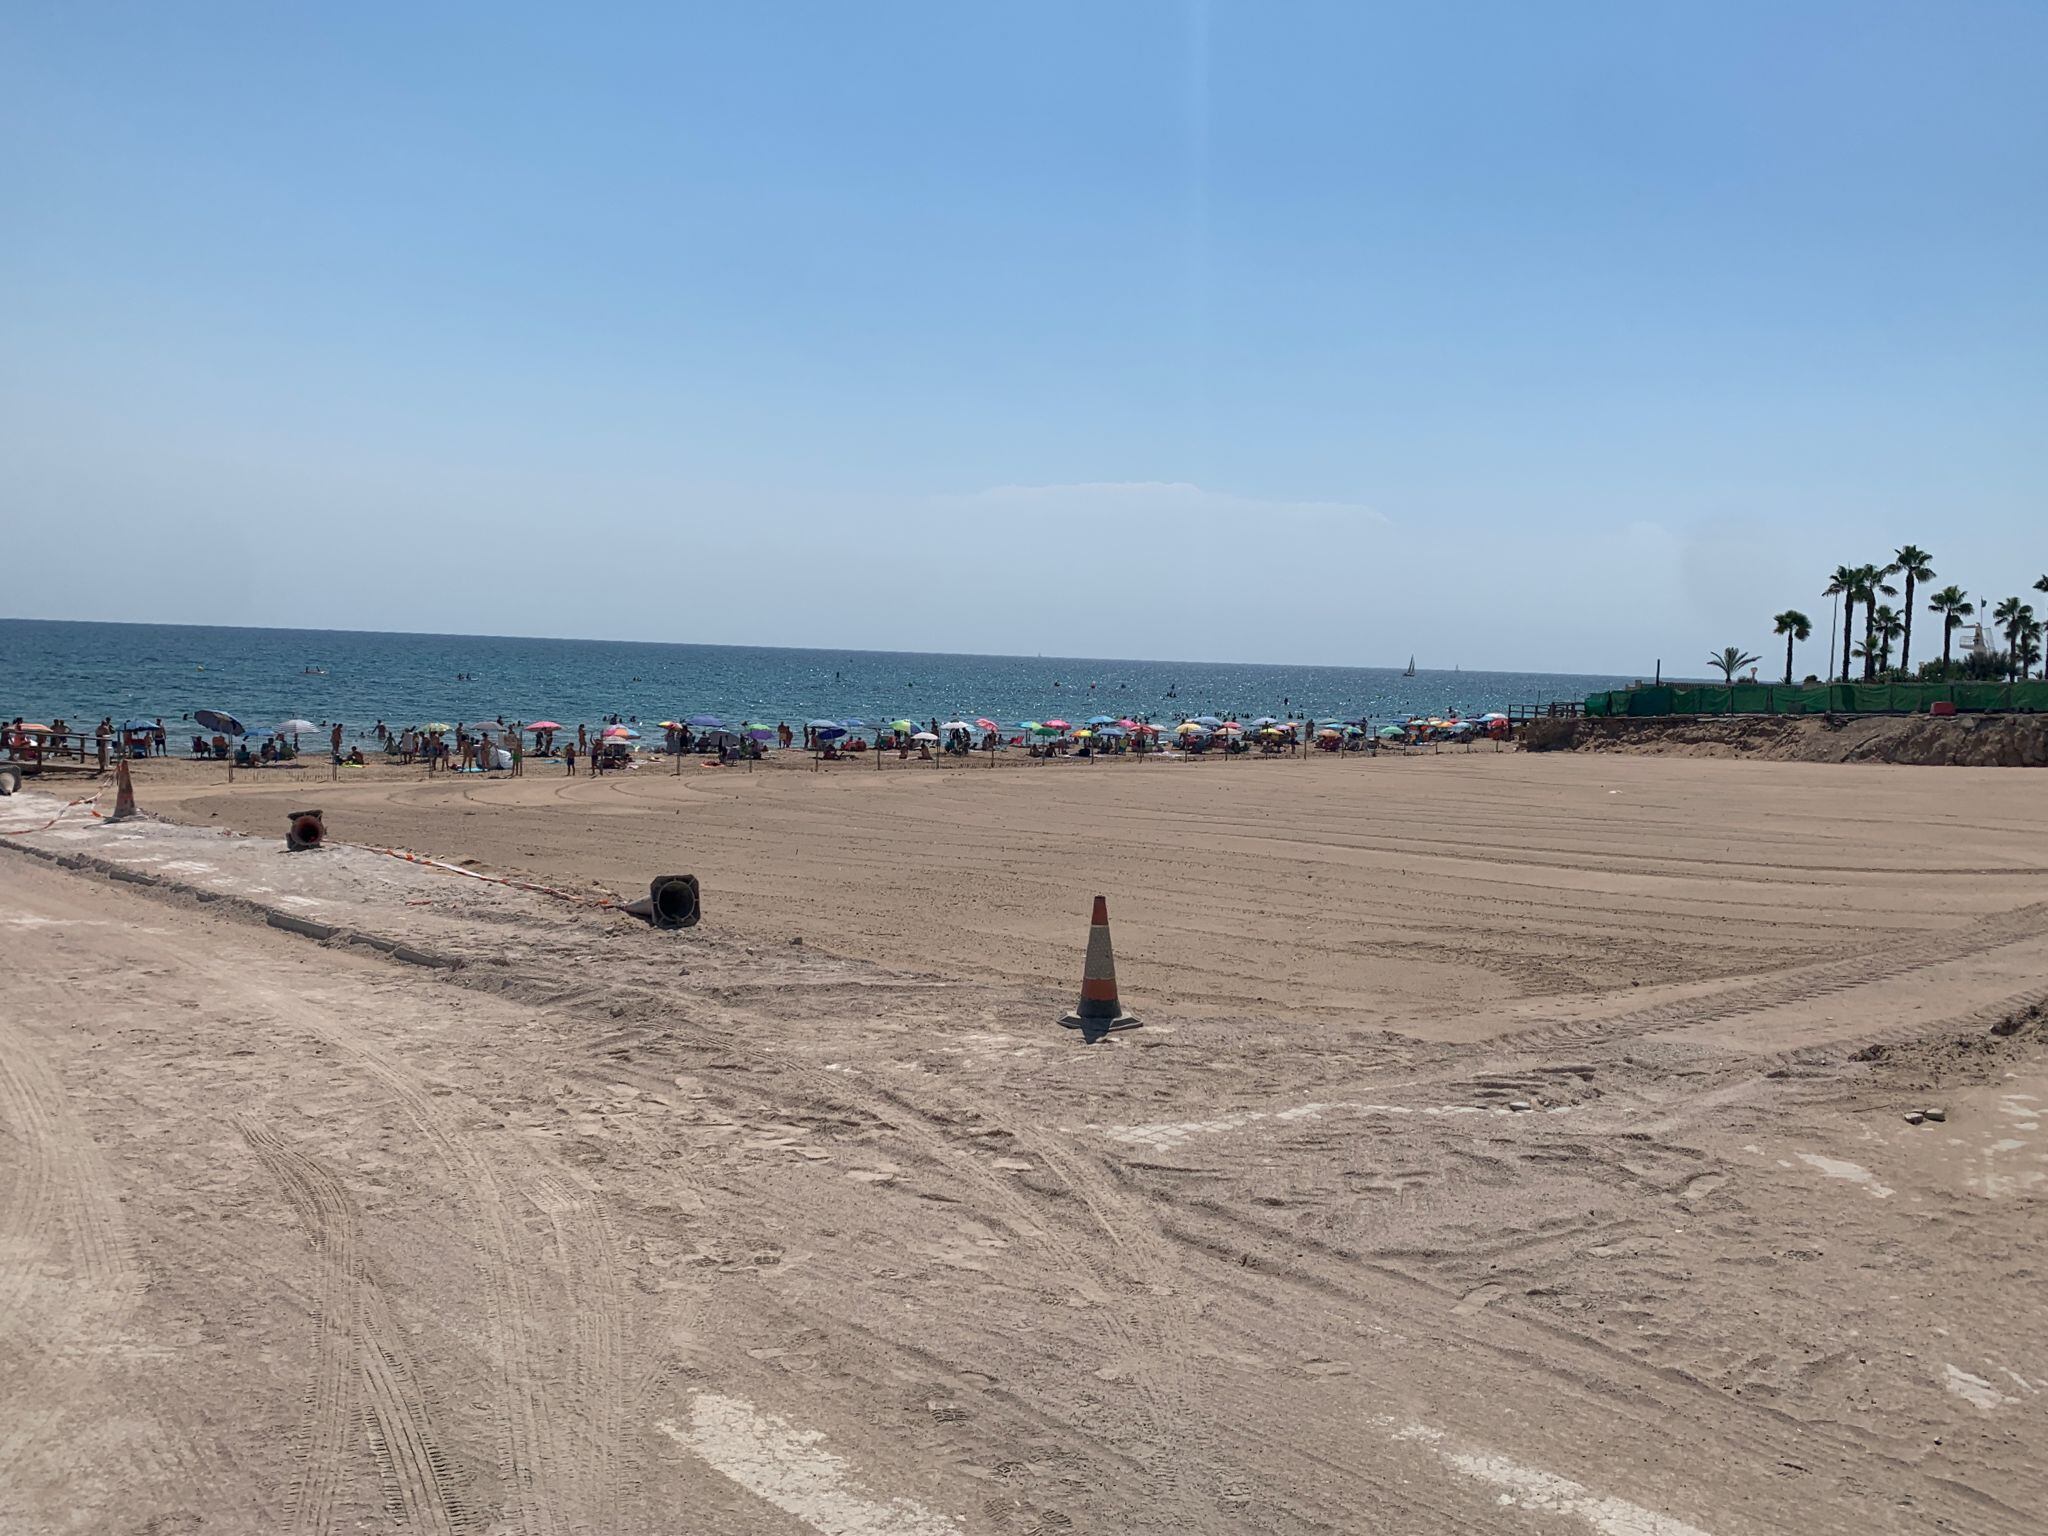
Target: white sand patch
<point>1974,1390</point>
<point>788,1468</point>
<point>1836,1168</point>
<point>189,866</point>
<point>1547,1493</point>
<point>30,920</point>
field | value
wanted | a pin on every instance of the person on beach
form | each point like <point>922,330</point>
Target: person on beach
<point>782,735</point>
<point>569,758</point>
<point>518,754</point>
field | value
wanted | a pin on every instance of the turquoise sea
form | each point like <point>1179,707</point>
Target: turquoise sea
<point>262,676</point>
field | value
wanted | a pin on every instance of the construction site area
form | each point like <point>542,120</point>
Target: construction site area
<point>1520,1143</point>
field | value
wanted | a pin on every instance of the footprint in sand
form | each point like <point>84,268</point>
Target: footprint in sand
<point>1475,1299</point>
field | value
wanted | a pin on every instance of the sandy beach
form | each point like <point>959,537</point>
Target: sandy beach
<point>1514,1142</point>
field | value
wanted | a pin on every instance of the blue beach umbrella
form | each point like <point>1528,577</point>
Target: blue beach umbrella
<point>1209,720</point>
<point>1102,719</point>
<point>215,720</point>
<point>855,725</point>
<point>707,722</point>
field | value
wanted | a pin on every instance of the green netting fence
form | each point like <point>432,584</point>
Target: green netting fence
<point>1816,699</point>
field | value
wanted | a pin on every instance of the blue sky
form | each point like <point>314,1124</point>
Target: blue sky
<point>1560,336</point>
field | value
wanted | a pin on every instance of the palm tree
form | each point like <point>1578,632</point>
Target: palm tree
<point>2029,649</point>
<point>1912,562</point>
<point>2012,616</point>
<point>1843,585</point>
<point>1871,584</point>
<point>1887,625</point>
<point>1731,659</point>
<point>1954,606</point>
<point>1793,625</point>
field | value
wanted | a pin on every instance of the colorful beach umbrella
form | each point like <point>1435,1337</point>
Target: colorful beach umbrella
<point>1059,725</point>
<point>986,725</point>
<point>902,725</point>
<point>545,725</point>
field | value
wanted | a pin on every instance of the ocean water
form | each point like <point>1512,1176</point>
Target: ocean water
<point>262,676</point>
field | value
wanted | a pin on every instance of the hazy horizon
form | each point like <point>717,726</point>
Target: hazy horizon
<point>847,650</point>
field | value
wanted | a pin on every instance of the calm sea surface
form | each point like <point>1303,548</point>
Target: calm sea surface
<point>84,671</point>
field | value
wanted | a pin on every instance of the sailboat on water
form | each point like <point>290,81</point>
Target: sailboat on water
<point>1411,667</point>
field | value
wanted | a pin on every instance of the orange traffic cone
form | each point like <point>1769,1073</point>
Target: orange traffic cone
<point>124,793</point>
<point>1100,1012</point>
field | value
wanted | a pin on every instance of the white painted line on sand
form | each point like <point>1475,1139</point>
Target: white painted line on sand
<point>1164,1135</point>
<point>1835,1168</point>
<point>1975,1390</point>
<point>789,1468</point>
<point>1528,1488</point>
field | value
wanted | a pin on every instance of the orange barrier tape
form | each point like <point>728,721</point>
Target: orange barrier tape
<point>92,800</point>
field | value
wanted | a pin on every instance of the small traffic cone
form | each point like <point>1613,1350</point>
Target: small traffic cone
<point>124,792</point>
<point>1100,1012</point>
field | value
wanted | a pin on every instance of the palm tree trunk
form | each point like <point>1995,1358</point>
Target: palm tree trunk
<point>1948,638</point>
<point>1848,629</point>
<point>1906,644</point>
<point>1788,658</point>
<point>1870,640</point>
